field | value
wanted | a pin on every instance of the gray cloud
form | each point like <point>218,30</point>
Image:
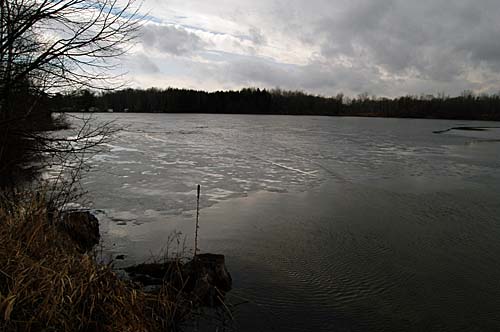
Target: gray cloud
<point>384,47</point>
<point>316,77</point>
<point>256,36</point>
<point>171,39</point>
<point>328,79</point>
<point>436,40</point>
<point>146,65</point>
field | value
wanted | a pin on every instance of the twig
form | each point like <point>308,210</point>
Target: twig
<point>197,220</point>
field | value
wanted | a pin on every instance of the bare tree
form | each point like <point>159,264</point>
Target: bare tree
<point>63,43</point>
<point>48,46</point>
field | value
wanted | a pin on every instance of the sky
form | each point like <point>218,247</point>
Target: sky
<point>380,47</point>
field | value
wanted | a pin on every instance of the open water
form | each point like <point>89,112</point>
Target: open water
<point>327,223</point>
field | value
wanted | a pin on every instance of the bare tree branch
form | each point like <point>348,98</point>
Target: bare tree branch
<point>49,46</point>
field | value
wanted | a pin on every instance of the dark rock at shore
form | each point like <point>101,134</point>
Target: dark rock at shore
<point>204,278</point>
<point>82,227</point>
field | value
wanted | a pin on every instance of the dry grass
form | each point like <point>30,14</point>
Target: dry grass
<point>47,285</point>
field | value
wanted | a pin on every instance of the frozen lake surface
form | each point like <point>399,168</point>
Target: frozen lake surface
<point>349,224</point>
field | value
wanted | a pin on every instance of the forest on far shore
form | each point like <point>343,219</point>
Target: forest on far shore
<point>467,106</point>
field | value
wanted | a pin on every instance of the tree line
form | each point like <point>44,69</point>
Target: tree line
<point>467,106</point>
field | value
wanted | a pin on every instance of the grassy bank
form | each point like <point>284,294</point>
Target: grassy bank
<point>46,284</point>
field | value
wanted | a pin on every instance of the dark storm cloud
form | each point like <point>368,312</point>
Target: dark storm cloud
<point>485,47</point>
<point>437,40</point>
<point>171,39</point>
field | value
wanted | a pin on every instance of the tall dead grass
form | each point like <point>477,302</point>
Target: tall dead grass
<point>47,285</point>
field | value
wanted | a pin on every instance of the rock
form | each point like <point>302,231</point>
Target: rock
<point>82,227</point>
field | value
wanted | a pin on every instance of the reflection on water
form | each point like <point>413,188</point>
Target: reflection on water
<point>327,223</point>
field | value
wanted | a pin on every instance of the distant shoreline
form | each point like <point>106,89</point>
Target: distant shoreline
<point>468,106</point>
<point>298,115</point>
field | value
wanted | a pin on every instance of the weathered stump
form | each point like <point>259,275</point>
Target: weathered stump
<point>207,278</point>
<point>204,280</point>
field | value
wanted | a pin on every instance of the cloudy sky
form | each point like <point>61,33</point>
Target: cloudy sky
<point>381,47</point>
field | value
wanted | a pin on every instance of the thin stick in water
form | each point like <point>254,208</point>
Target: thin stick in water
<point>197,220</point>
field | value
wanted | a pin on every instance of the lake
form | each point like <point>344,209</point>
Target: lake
<point>327,223</point>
